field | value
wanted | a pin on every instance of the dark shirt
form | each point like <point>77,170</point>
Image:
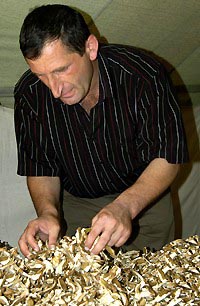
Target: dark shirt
<point>136,120</point>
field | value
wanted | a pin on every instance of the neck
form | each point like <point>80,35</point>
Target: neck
<point>93,95</point>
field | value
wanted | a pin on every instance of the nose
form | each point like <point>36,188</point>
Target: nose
<point>55,86</point>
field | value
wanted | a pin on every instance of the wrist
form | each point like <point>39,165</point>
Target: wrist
<point>50,210</point>
<point>131,202</point>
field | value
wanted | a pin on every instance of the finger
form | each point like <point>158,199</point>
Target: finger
<point>43,236</point>
<point>30,234</point>
<point>99,222</point>
<point>122,240</point>
<point>93,234</point>
<point>101,243</point>
<point>24,247</point>
<point>119,234</point>
<point>26,241</point>
<point>94,220</point>
<point>114,238</point>
<point>53,236</point>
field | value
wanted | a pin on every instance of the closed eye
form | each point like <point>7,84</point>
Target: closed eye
<point>61,69</point>
<point>56,71</point>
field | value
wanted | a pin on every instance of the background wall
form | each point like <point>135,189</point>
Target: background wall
<point>170,30</point>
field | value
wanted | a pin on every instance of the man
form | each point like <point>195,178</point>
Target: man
<point>101,123</point>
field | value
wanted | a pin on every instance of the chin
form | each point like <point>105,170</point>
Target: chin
<point>69,101</point>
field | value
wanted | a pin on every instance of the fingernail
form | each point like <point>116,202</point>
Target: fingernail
<point>52,247</point>
<point>86,248</point>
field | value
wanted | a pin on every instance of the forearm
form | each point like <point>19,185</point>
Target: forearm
<point>156,178</point>
<point>45,194</point>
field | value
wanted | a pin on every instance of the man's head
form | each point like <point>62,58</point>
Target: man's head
<point>52,22</point>
<point>61,52</point>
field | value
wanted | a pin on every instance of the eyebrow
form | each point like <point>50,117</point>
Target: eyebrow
<point>59,69</point>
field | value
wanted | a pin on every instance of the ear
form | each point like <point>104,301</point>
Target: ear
<point>92,47</point>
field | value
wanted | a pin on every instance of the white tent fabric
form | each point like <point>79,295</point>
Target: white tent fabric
<point>169,29</point>
<point>16,206</point>
<point>186,188</point>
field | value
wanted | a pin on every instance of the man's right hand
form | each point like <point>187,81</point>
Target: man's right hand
<point>45,194</point>
<point>47,227</point>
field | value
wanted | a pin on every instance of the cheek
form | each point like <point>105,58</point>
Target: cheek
<point>87,74</point>
<point>82,78</point>
<point>44,80</point>
<point>81,74</point>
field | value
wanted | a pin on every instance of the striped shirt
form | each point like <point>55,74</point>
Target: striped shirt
<point>136,120</point>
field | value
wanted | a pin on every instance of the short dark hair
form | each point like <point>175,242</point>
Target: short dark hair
<point>51,22</point>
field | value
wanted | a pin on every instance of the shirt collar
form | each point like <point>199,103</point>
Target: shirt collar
<point>104,77</point>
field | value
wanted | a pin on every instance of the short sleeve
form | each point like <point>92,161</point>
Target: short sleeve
<point>161,132</point>
<point>36,155</point>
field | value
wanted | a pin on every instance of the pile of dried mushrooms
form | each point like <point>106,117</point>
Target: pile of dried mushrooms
<point>70,275</point>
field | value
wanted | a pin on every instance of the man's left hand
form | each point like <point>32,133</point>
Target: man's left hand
<point>113,226</point>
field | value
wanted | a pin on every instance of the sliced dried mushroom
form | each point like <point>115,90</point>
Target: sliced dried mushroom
<point>70,275</point>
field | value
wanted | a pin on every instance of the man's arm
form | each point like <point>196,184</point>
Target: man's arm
<point>45,193</point>
<point>113,222</point>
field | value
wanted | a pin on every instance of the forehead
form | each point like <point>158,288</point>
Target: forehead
<point>53,56</point>
<point>54,46</point>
